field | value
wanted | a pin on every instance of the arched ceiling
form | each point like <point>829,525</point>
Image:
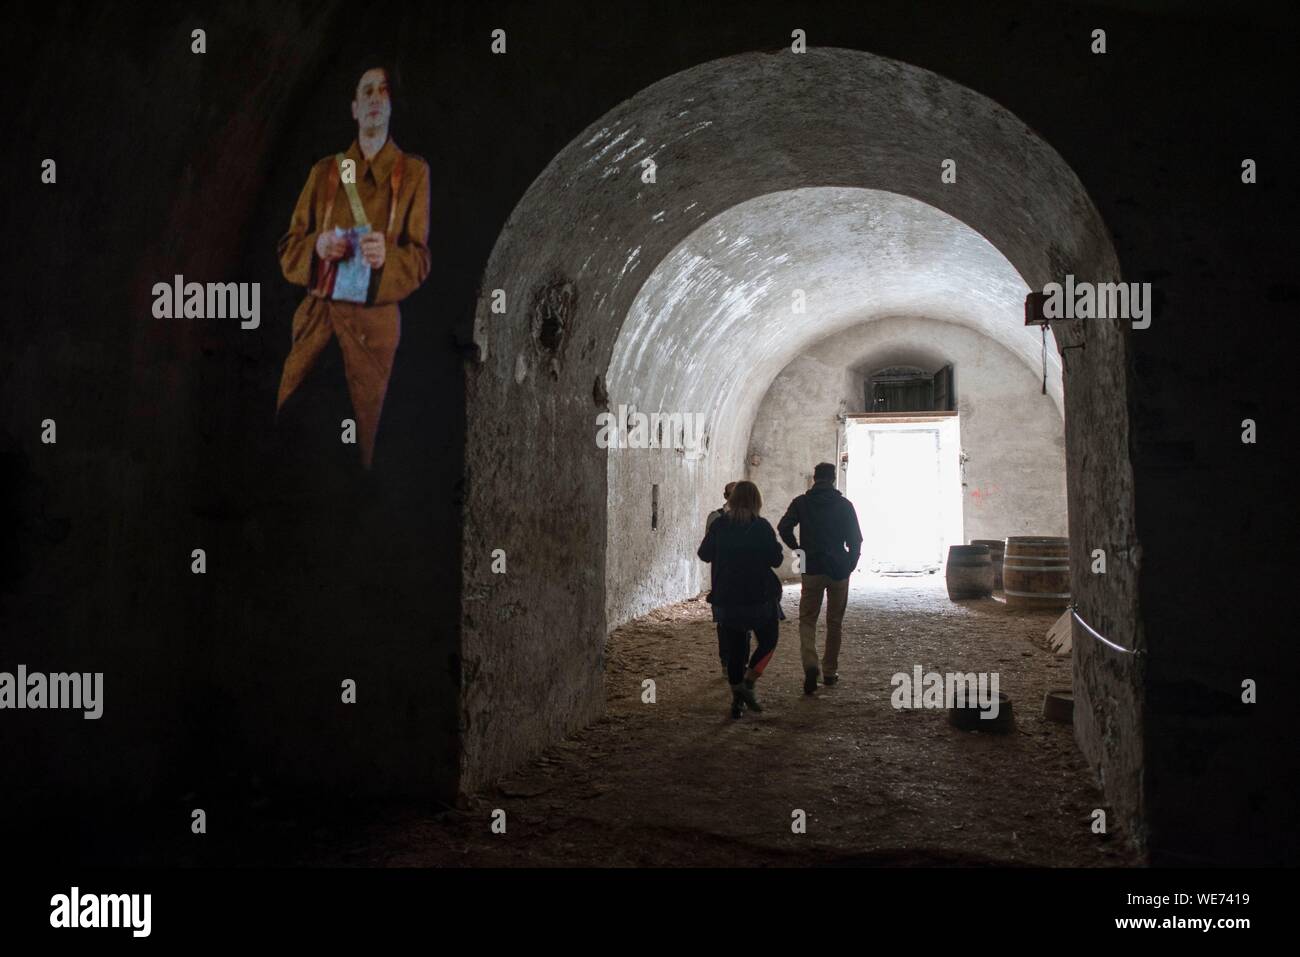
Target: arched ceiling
<point>716,319</point>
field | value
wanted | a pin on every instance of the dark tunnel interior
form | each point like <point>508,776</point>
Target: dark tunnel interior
<point>226,685</point>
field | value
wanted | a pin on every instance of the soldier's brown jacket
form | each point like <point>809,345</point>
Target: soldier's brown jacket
<point>367,334</point>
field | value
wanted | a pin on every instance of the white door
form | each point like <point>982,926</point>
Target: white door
<point>898,480</point>
<point>904,491</point>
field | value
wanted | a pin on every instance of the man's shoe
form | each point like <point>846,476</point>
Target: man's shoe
<point>810,681</point>
<point>831,679</point>
<point>737,700</point>
<point>750,699</point>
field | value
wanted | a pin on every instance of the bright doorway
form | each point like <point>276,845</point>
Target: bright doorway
<point>904,479</point>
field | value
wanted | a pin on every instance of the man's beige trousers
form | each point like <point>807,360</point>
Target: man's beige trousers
<point>810,606</point>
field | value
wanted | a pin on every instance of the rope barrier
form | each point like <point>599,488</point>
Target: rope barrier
<point>1074,612</point>
<point>1044,329</point>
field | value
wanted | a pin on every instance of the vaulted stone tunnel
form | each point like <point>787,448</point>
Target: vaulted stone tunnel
<point>736,301</point>
<point>225,688</point>
<point>679,298</point>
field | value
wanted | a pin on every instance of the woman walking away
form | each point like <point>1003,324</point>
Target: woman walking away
<point>742,548</point>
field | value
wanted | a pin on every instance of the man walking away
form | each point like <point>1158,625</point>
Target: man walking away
<point>832,543</point>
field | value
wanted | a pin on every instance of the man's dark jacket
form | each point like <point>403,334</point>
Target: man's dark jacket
<point>828,531</point>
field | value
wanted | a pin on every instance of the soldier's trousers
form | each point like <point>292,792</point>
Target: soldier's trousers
<point>367,337</point>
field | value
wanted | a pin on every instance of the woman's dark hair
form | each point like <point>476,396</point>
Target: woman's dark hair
<point>745,503</point>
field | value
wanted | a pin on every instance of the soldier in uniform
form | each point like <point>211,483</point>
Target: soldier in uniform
<point>390,196</point>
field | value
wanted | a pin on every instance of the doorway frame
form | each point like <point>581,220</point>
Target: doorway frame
<point>951,498</point>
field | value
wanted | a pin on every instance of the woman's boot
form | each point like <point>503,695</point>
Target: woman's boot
<point>747,691</point>
<point>737,700</point>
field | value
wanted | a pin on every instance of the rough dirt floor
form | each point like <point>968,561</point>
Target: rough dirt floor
<point>679,782</point>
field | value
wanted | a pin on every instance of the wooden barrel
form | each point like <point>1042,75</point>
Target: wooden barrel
<point>1036,573</point>
<point>996,547</point>
<point>969,572</point>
